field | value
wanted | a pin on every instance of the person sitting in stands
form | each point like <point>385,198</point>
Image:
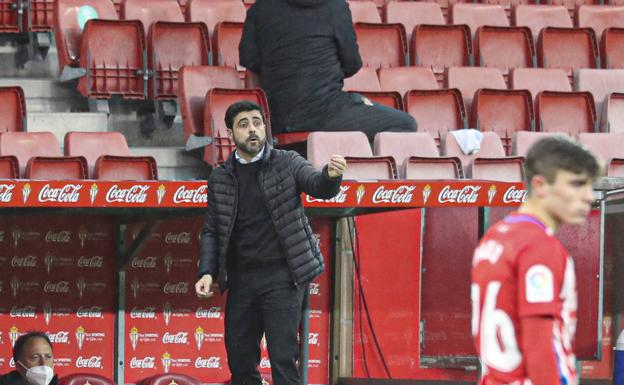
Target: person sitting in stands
<point>34,361</point>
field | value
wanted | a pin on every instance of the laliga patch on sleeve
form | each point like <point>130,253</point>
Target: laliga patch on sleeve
<point>539,284</point>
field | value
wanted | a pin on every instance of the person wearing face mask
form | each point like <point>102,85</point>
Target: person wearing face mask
<point>34,361</point>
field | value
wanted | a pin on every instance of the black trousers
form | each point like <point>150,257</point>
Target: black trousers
<point>263,300</point>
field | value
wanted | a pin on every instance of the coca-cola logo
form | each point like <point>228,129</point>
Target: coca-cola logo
<point>467,194</point>
<point>144,263</point>
<point>214,313</point>
<point>143,363</point>
<point>58,237</point>
<point>315,288</point>
<point>208,363</point>
<point>90,362</point>
<point>198,195</point>
<point>176,288</point>
<point>134,194</point>
<point>145,313</point>
<point>59,337</point>
<point>27,261</point>
<point>179,238</point>
<point>67,194</point>
<point>89,312</point>
<point>6,193</point>
<point>177,338</point>
<point>401,194</point>
<point>341,197</point>
<point>513,195</point>
<point>58,287</point>
<point>23,312</point>
<point>265,363</point>
<point>95,262</point>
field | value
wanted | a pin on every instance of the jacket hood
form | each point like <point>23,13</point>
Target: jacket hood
<point>306,3</point>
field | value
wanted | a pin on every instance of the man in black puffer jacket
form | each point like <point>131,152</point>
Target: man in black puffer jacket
<point>256,243</point>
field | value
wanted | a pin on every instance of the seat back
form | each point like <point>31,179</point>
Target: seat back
<point>171,46</point>
<point>499,169</point>
<point>365,80</point>
<point>109,167</point>
<point>24,145</point>
<point>168,378</point>
<point>225,39</point>
<point>9,168</point>
<point>477,15</point>
<point>413,13</point>
<point>57,168</point>
<point>212,12</point>
<point>523,140</point>
<point>612,48</point>
<point>504,47</point>
<point>441,46</point>
<point>569,112</point>
<point>491,147</point>
<point>381,45</point>
<point>599,17</point>
<point>469,79</point>
<point>606,147</point>
<point>12,109</point>
<point>40,14</point>
<point>537,17</point>
<point>193,84</point>
<point>84,379</point>
<point>613,113</point>
<point>92,145</point>
<point>402,145</point>
<point>437,111</point>
<point>599,82</point>
<point>567,48</point>
<point>9,20</point>
<point>403,79</point>
<point>150,11</point>
<point>364,11</point>
<point>539,79</point>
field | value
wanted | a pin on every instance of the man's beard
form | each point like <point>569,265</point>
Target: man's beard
<point>248,148</point>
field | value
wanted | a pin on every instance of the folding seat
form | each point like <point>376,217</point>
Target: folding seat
<point>469,79</point>
<point>82,378</point>
<point>40,15</point>
<point>381,45</point>
<point>171,46</point>
<point>11,20</point>
<point>168,378</point>
<point>57,168</point>
<point>194,82</point>
<point>600,83</point>
<point>441,46</point>
<point>403,79</point>
<point>567,48</point>
<point>503,112</point>
<point>9,169</point>
<point>411,14</point>
<point>25,145</point>
<point>416,155</point>
<point>489,162</point>
<point>217,102</point>
<point>607,147</point>
<point>569,112</point>
<point>613,113</point>
<point>477,15</point>
<point>150,11</point>
<point>354,146</point>
<point>125,168</point>
<point>437,111</point>
<point>523,140</point>
<point>537,17</point>
<point>366,83</point>
<point>504,47</point>
<point>225,39</point>
<point>599,17</point>
<point>12,109</point>
<point>612,48</point>
<point>212,12</point>
<point>539,79</point>
<point>363,11</point>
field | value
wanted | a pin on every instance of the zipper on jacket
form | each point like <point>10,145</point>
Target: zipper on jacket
<point>229,237</point>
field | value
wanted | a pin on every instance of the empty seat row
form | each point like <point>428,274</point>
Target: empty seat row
<point>96,155</point>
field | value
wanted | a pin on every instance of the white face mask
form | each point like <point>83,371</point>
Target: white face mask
<point>38,375</point>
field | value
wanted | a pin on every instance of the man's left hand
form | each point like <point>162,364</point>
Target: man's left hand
<point>336,166</point>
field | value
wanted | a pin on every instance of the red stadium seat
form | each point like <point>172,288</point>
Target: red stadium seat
<point>567,48</point>
<point>381,45</point>
<point>10,16</point>
<point>600,17</point>
<point>613,113</point>
<point>170,46</point>
<point>84,379</point>
<point>441,46</point>
<point>416,155</point>
<point>504,47</point>
<point>403,79</point>
<point>568,112</point>
<point>108,167</point>
<point>600,83</point>
<point>607,147</point>
<point>365,80</point>
<point>469,79</point>
<point>612,48</point>
<point>193,84</point>
<point>40,15</point>
<point>55,168</point>
<point>354,146</point>
<point>92,145</point>
<point>437,111</point>
<point>150,11</point>
<point>364,11</point>
<point>412,13</point>
<point>25,145</point>
<point>212,12</point>
<point>9,168</point>
<point>503,112</point>
<point>12,109</point>
<point>225,39</point>
<point>168,378</point>
<point>112,52</point>
<point>573,5</point>
<point>537,17</point>
<point>477,15</point>
<point>523,140</point>
<point>539,79</point>
<point>217,102</point>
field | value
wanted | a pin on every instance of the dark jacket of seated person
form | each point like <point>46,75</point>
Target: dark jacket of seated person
<point>15,378</point>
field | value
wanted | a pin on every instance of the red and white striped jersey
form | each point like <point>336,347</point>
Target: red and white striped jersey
<point>520,269</point>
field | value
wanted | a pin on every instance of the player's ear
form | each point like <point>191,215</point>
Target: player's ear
<point>538,185</point>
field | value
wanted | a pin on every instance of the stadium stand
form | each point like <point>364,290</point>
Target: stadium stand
<point>211,12</point>
<point>609,148</point>
<point>225,41</point>
<point>599,17</point>
<point>412,13</point>
<point>523,140</point>
<point>599,82</point>
<point>504,48</point>
<point>612,48</point>
<point>568,49</point>
<point>437,111</point>
<point>366,83</point>
<point>539,79</point>
<point>364,12</point>
<point>470,79</point>
<point>56,168</point>
<point>109,167</point>
<point>151,11</point>
<point>12,109</point>
<point>403,79</point>
<point>25,145</point>
<point>613,113</point>
<point>382,45</point>
<point>477,15</point>
<point>537,17</point>
<point>569,112</point>
<point>9,169</point>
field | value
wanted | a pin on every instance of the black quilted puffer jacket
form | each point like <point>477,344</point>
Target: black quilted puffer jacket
<point>283,176</point>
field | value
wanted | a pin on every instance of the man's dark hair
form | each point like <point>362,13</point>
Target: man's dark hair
<point>237,108</point>
<point>18,348</point>
<point>555,153</point>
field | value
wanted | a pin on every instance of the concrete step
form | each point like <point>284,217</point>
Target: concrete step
<point>174,163</point>
<point>60,123</point>
<point>41,67</point>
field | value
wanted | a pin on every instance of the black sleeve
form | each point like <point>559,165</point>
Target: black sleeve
<point>311,181</point>
<point>208,243</point>
<point>348,50</point>
<point>248,51</point>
